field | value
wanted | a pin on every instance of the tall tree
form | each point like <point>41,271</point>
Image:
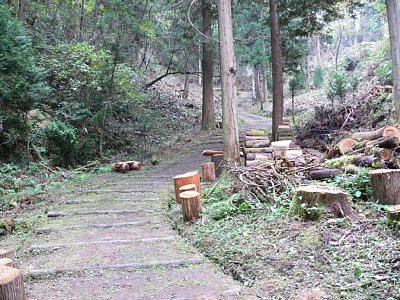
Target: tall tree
<point>393,16</point>
<point>208,110</point>
<point>228,82</point>
<point>21,10</point>
<point>277,69</point>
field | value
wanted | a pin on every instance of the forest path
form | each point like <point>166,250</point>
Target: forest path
<point>116,241</point>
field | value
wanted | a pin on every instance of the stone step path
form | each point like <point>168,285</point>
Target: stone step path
<point>116,242</point>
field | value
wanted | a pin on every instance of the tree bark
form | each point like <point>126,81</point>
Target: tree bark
<point>319,54</point>
<point>257,86</point>
<point>228,83</point>
<point>208,171</point>
<point>191,205</point>
<point>11,284</point>
<point>82,16</point>
<point>385,186</point>
<point>21,11</point>
<point>277,69</point>
<point>393,16</point>
<point>95,31</point>
<point>265,87</point>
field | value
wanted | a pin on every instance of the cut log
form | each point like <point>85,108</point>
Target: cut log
<point>391,131</point>
<point>281,145</point>
<point>382,153</point>
<point>322,174</point>
<point>8,262</point>
<point>6,253</point>
<point>212,152</point>
<point>292,154</point>
<point>55,214</point>
<point>311,200</point>
<point>208,171</point>
<point>191,205</point>
<point>258,144</point>
<point>385,186</point>
<point>188,188</point>
<point>346,145</point>
<point>393,213</point>
<point>254,132</point>
<point>184,179</point>
<point>120,167</point>
<point>285,138</point>
<point>134,165</point>
<point>368,135</point>
<point>261,156</point>
<point>218,161</point>
<point>368,161</point>
<point>284,129</point>
<point>255,138</point>
<point>258,150</point>
<point>254,163</point>
<point>11,284</point>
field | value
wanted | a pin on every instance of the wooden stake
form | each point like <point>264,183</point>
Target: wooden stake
<point>191,205</point>
<point>208,171</point>
<point>11,284</point>
<point>218,161</point>
<point>184,179</point>
<point>385,186</point>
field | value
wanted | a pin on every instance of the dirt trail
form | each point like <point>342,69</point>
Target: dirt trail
<point>116,242</point>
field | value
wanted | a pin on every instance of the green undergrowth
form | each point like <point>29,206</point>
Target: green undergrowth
<point>260,245</point>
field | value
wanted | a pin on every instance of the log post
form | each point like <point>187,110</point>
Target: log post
<point>184,179</point>
<point>208,171</point>
<point>218,161</point>
<point>6,253</point>
<point>8,262</point>
<point>191,205</point>
<point>11,284</point>
<point>393,213</point>
<point>385,186</point>
<point>311,201</point>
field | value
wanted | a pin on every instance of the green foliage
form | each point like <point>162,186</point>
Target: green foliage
<point>337,86</point>
<point>297,82</point>
<point>21,84</point>
<point>318,78</point>
<point>356,185</point>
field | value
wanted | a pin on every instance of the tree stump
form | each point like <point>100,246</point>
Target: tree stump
<point>184,179</point>
<point>393,213</point>
<point>134,165</point>
<point>208,171</point>
<point>11,284</point>
<point>8,262</point>
<point>385,186</point>
<point>188,188</point>
<point>311,201</point>
<point>6,253</point>
<point>218,161</point>
<point>191,205</point>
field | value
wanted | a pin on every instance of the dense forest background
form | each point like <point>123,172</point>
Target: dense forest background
<point>78,77</point>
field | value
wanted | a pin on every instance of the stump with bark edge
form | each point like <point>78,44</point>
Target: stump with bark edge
<point>191,205</point>
<point>312,200</point>
<point>385,186</point>
<point>208,171</point>
<point>6,253</point>
<point>184,179</point>
<point>11,284</point>
<point>393,213</point>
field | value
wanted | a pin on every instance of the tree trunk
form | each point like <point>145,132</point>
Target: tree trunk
<point>257,86</point>
<point>319,54</point>
<point>95,31</point>
<point>385,186</point>
<point>393,16</point>
<point>338,44</point>
<point>191,205</point>
<point>265,87</point>
<point>277,69</point>
<point>185,93</point>
<point>82,16</point>
<point>21,11</point>
<point>218,161</point>
<point>228,83</point>
<point>184,179</point>
<point>208,171</point>
<point>11,284</point>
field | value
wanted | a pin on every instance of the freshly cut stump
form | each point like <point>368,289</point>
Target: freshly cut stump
<point>393,213</point>
<point>345,145</point>
<point>391,131</point>
<point>188,188</point>
<point>385,186</point>
<point>218,161</point>
<point>134,165</point>
<point>6,253</point>
<point>208,171</point>
<point>11,284</point>
<point>333,201</point>
<point>191,205</point>
<point>8,262</point>
<point>184,179</point>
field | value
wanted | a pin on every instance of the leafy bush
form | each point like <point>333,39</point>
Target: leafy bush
<point>21,84</point>
<point>318,78</point>
<point>337,86</point>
